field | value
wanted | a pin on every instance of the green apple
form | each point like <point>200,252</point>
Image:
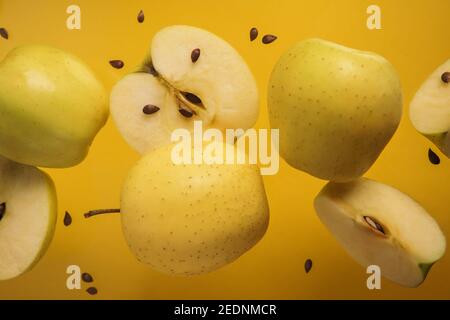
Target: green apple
<point>379,225</point>
<point>336,108</point>
<point>51,106</point>
<point>27,217</point>
<point>190,74</point>
<point>191,219</point>
<point>430,108</point>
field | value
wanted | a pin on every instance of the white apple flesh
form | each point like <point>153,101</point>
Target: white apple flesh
<point>223,87</point>
<point>430,108</point>
<point>27,217</point>
<point>379,225</point>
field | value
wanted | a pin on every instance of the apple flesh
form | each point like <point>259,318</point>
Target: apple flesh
<point>52,106</point>
<point>192,219</point>
<point>336,108</point>
<point>379,225</point>
<point>27,217</point>
<point>430,108</point>
<point>217,88</point>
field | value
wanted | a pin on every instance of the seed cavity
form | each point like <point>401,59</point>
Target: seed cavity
<point>433,157</point>
<point>195,54</point>
<point>92,291</point>
<point>445,77</point>
<point>308,265</point>
<point>67,219</point>
<point>269,38</point>
<point>150,109</point>
<point>86,277</point>
<point>2,210</point>
<point>192,98</point>
<point>374,224</point>
<point>185,112</point>
<point>4,33</point>
<point>140,17</point>
<point>118,64</point>
<point>253,33</point>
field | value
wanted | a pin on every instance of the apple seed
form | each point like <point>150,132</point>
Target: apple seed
<point>308,265</point>
<point>4,33</point>
<point>67,219</point>
<point>446,77</point>
<point>253,34</point>
<point>192,98</point>
<point>150,108</point>
<point>118,64</point>
<point>2,209</point>
<point>269,38</point>
<point>185,112</point>
<point>140,17</point>
<point>92,290</point>
<point>374,224</point>
<point>86,277</point>
<point>195,54</point>
<point>433,157</point>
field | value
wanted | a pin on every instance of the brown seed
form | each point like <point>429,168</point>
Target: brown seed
<point>433,157</point>
<point>67,219</point>
<point>253,34</point>
<point>140,17</point>
<point>150,108</point>
<point>195,54</point>
<point>308,265</point>
<point>4,33</point>
<point>118,64</point>
<point>2,209</point>
<point>92,290</point>
<point>374,224</point>
<point>269,38</point>
<point>186,113</point>
<point>192,98</point>
<point>86,277</point>
<point>446,77</point>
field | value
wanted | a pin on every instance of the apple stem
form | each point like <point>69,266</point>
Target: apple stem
<point>100,211</point>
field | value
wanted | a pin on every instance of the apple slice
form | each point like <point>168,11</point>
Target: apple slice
<point>27,217</point>
<point>430,108</point>
<point>191,74</point>
<point>379,225</point>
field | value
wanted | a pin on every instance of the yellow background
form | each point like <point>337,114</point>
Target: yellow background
<point>415,38</point>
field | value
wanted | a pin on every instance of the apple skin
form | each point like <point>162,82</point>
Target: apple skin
<point>51,106</point>
<point>336,108</point>
<point>192,219</point>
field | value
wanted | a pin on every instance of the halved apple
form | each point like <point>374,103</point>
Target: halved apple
<point>430,108</point>
<point>27,217</point>
<point>379,225</point>
<point>190,74</point>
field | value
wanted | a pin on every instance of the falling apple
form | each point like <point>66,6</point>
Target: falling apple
<point>51,106</point>
<point>190,74</point>
<point>336,108</point>
<point>27,217</point>
<point>430,108</point>
<point>379,225</point>
<point>192,218</point>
